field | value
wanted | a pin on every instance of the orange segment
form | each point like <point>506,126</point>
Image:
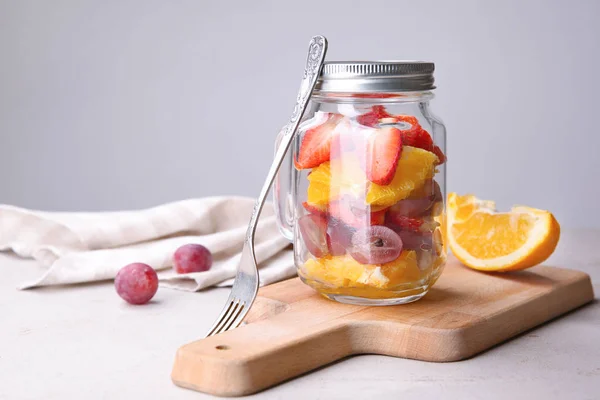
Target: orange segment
<point>338,271</point>
<point>486,240</point>
<point>345,271</point>
<point>318,187</point>
<point>332,180</point>
<point>414,167</point>
<point>403,270</point>
<point>464,206</point>
<point>345,176</point>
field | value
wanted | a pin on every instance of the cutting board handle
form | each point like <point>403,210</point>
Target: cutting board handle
<point>259,355</point>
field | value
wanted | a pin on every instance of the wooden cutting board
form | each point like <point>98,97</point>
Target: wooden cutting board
<point>292,330</point>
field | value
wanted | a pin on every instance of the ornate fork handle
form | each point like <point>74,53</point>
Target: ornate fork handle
<point>314,62</point>
<point>245,286</point>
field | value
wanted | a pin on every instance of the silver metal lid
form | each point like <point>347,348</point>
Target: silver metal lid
<point>376,76</point>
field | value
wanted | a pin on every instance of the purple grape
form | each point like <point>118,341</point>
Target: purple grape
<point>437,193</point>
<point>339,237</point>
<point>430,249</point>
<point>136,283</point>
<point>192,258</point>
<point>335,248</point>
<point>430,189</point>
<point>375,245</point>
<point>436,197</point>
<point>411,207</point>
<point>415,207</point>
<point>425,257</point>
<point>414,240</point>
<point>427,254</point>
<point>313,229</point>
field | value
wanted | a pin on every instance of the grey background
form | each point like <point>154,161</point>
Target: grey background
<point>123,104</point>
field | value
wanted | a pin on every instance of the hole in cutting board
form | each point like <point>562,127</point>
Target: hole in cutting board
<point>222,347</point>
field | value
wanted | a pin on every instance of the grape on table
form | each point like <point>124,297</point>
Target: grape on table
<point>136,283</point>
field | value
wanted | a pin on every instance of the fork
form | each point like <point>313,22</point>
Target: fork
<point>245,285</point>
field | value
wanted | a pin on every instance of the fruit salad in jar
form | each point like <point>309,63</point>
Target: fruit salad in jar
<point>370,225</point>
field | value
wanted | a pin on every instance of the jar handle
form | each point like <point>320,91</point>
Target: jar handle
<point>283,197</point>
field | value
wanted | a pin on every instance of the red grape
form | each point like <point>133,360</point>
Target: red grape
<point>437,193</point>
<point>410,207</point>
<point>335,248</point>
<point>425,257</point>
<point>339,237</point>
<point>413,240</point>
<point>313,229</point>
<point>375,245</point>
<point>414,207</point>
<point>353,212</point>
<point>429,251</point>
<point>136,283</point>
<point>192,258</point>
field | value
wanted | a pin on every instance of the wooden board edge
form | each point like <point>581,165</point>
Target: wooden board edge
<point>472,340</point>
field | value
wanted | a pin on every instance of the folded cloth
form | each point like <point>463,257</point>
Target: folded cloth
<point>84,247</point>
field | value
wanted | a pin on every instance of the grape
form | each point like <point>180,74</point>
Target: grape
<point>430,249</point>
<point>412,240</point>
<point>425,257</point>
<point>334,247</point>
<point>192,258</point>
<point>418,206</point>
<point>411,207</point>
<point>435,195</point>
<point>313,230</point>
<point>428,189</point>
<point>437,192</point>
<point>136,283</point>
<point>353,212</point>
<point>339,237</point>
<point>375,245</point>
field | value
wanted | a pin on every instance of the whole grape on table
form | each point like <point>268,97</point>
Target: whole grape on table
<point>136,283</point>
<point>192,258</point>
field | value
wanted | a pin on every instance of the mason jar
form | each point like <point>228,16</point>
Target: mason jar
<point>361,194</point>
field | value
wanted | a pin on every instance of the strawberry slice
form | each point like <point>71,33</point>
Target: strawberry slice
<point>440,155</point>
<point>414,135</point>
<point>315,209</point>
<point>397,221</point>
<point>316,144</point>
<point>378,217</point>
<point>417,138</point>
<point>409,119</point>
<point>403,222</point>
<point>383,151</point>
<point>373,117</point>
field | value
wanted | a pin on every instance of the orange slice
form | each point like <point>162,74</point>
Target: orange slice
<point>344,176</point>
<point>486,240</point>
<point>337,178</point>
<point>345,271</point>
<point>414,168</point>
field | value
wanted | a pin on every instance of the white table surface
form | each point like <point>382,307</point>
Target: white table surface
<point>84,342</point>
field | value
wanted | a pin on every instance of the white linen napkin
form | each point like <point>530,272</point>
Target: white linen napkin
<point>83,247</point>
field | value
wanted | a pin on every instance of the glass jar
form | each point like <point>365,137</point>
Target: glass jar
<point>361,194</point>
